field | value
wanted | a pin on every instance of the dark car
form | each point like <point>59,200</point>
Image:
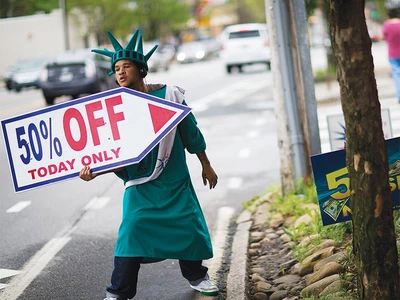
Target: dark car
<point>76,73</point>
<point>24,73</point>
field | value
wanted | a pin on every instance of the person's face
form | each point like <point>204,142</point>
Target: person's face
<point>126,73</point>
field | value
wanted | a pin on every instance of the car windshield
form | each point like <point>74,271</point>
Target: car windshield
<point>244,34</point>
<point>29,64</point>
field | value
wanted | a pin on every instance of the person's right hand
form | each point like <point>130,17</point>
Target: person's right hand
<point>86,174</point>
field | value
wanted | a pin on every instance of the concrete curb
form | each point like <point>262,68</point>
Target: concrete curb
<point>237,276</point>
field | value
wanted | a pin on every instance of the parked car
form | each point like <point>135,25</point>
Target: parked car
<point>161,58</point>
<point>24,73</point>
<point>76,73</point>
<point>194,51</point>
<point>245,44</point>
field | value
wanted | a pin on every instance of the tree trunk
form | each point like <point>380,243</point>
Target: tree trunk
<point>374,242</point>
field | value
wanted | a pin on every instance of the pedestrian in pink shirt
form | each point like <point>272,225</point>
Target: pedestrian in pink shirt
<point>391,33</point>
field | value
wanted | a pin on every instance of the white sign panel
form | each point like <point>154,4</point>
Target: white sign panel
<point>337,130</point>
<point>104,131</point>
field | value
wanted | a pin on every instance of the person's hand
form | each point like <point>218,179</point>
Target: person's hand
<point>86,174</point>
<point>209,175</point>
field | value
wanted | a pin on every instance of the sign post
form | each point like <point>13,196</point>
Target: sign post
<point>105,130</point>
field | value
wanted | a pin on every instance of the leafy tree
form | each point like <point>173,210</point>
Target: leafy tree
<point>374,240</point>
<point>159,18</point>
<point>156,18</point>
<point>17,8</point>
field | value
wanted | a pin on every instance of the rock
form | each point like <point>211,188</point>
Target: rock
<point>278,295</point>
<point>324,244</point>
<point>257,270</point>
<point>252,252</point>
<point>260,296</point>
<point>327,270</point>
<point>333,258</point>
<point>307,240</point>
<point>255,245</point>
<point>288,279</point>
<point>264,287</point>
<point>286,238</point>
<point>257,278</point>
<point>307,265</point>
<point>277,223</point>
<point>261,215</point>
<point>303,219</point>
<point>317,287</point>
<point>334,287</point>
<point>272,236</point>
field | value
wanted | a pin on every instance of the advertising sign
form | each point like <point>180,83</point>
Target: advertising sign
<point>333,183</point>
<point>104,131</point>
<point>337,130</point>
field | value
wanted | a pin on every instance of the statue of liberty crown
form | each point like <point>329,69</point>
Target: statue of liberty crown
<point>132,51</point>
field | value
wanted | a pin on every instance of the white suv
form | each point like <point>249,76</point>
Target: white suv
<point>245,44</point>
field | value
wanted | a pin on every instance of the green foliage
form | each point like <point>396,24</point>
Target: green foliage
<point>156,18</point>
<point>17,8</point>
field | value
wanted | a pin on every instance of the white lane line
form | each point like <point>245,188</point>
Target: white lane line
<point>229,95</point>
<point>4,273</point>
<point>235,183</point>
<point>18,207</point>
<point>219,240</point>
<point>35,265</point>
<point>253,134</point>
<point>97,203</point>
<point>244,153</point>
<point>260,121</point>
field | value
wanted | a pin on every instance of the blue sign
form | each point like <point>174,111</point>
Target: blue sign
<point>333,183</point>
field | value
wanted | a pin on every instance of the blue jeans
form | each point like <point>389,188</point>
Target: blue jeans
<point>126,269</point>
<point>395,66</point>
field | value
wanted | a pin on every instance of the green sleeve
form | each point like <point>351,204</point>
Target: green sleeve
<point>191,135</point>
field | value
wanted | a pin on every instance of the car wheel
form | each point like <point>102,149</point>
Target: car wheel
<point>240,69</point>
<point>49,100</point>
<point>17,88</point>
<point>229,69</point>
<point>9,86</point>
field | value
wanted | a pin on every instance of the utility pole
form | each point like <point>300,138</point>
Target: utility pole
<point>295,106</point>
<point>65,23</point>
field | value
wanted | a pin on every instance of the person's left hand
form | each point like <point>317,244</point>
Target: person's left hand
<point>209,175</point>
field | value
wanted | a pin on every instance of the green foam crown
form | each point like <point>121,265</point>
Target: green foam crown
<point>133,51</point>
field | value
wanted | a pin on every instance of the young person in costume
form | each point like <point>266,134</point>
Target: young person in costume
<point>162,217</point>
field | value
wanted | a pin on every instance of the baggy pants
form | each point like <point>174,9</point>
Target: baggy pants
<point>125,275</point>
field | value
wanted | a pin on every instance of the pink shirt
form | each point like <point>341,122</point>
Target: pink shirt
<point>391,32</point>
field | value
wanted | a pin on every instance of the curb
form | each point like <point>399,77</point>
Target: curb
<point>237,276</point>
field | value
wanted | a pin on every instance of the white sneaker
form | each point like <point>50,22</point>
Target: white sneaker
<point>206,287</point>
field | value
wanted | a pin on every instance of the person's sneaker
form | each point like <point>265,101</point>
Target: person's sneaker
<point>205,286</point>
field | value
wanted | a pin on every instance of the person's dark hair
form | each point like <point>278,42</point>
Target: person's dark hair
<point>393,13</point>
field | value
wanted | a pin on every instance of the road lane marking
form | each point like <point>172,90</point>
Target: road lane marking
<point>18,207</point>
<point>5,273</point>
<point>227,95</point>
<point>253,134</point>
<point>235,183</point>
<point>244,153</point>
<point>35,265</point>
<point>97,203</point>
<point>219,241</point>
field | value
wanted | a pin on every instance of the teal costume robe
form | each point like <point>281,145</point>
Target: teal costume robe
<point>162,218</point>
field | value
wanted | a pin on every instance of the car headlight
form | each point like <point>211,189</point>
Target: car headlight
<point>181,56</point>
<point>200,54</point>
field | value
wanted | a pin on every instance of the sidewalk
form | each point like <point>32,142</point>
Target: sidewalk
<point>324,92</point>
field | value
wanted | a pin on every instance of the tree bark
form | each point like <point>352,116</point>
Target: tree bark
<point>374,241</point>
